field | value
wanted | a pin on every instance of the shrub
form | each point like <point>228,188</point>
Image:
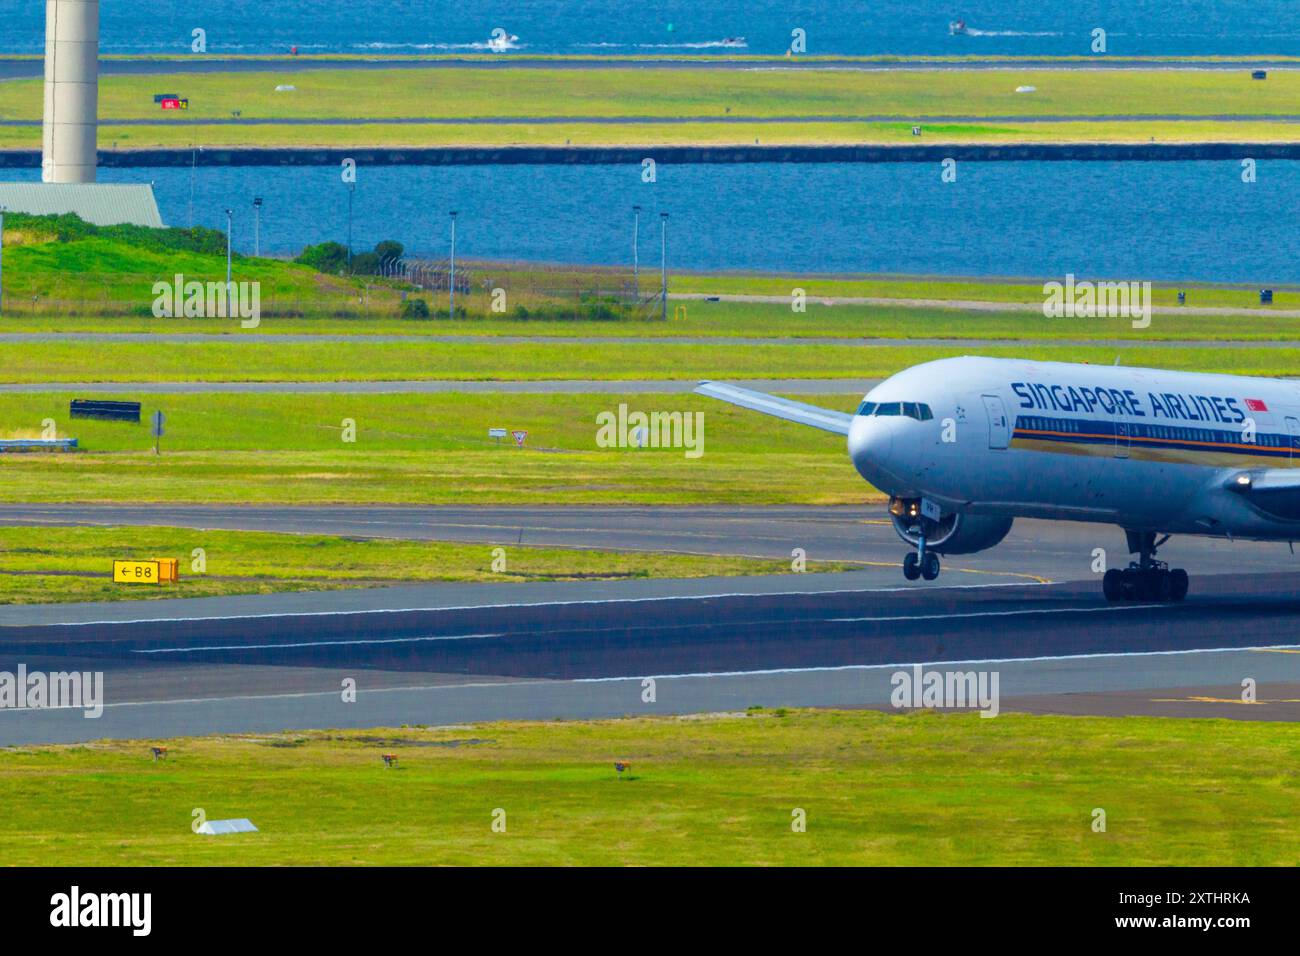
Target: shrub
<point>415,309</point>
<point>328,257</point>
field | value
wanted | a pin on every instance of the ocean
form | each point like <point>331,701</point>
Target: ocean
<point>994,27</point>
<point>1152,220</point>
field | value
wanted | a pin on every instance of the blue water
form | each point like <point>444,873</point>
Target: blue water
<point>1184,220</point>
<point>1134,27</point>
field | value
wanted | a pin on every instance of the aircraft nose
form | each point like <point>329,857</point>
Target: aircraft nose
<point>870,442</point>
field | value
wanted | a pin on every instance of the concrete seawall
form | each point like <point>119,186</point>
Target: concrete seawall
<point>617,155</point>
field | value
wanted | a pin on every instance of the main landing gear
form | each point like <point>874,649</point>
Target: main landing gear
<point>1145,579</point>
<point>921,563</point>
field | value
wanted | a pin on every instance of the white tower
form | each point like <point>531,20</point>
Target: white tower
<point>71,91</point>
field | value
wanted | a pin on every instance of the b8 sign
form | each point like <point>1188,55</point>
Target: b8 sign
<point>136,572</point>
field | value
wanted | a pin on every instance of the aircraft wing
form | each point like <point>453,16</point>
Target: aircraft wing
<point>823,418</point>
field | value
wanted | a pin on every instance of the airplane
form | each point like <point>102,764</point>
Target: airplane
<point>964,446</point>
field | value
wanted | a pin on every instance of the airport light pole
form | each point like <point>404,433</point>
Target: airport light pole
<point>451,280</point>
<point>352,188</point>
<point>257,226</point>
<point>636,237</point>
<point>230,286</point>
<point>663,262</point>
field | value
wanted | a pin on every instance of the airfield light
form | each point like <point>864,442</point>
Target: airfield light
<point>352,188</point>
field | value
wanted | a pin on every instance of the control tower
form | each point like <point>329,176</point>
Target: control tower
<point>71,91</point>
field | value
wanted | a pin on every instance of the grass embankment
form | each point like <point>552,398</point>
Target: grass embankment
<point>55,266</point>
<point>431,449</point>
<point>876,789</point>
<point>74,564</point>
<point>63,275</point>
<point>827,106</point>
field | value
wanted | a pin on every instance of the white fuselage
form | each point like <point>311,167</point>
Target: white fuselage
<point>1146,449</point>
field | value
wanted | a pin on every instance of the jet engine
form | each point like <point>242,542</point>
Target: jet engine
<point>950,533</point>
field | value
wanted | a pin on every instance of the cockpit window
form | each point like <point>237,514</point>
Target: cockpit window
<point>918,410</point>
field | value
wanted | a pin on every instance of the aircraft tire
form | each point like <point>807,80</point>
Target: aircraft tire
<point>930,566</point>
<point>1178,584</point>
<point>1112,585</point>
<point>911,566</point>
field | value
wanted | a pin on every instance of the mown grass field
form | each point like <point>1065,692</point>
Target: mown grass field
<point>876,789</point>
<point>298,361</point>
<point>432,449</point>
<point>832,105</point>
<point>669,93</point>
<point>74,564</point>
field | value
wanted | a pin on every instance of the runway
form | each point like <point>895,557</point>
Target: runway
<point>1056,648</point>
<point>437,653</point>
<point>810,386</point>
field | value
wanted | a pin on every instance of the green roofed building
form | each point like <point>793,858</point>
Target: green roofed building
<point>104,204</point>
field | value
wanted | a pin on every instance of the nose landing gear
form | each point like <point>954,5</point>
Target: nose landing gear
<point>921,563</point>
<point>1145,579</point>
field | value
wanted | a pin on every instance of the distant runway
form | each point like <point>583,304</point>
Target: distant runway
<point>793,386</point>
<point>1054,648</point>
<point>283,338</point>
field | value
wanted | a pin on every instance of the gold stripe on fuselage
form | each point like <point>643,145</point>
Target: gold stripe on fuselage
<point>1105,447</point>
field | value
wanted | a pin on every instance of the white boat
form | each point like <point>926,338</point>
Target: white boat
<point>957,27</point>
<point>500,41</point>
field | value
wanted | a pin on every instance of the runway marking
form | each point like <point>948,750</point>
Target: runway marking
<point>1043,610</point>
<point>521,604</point>
<point>639,677</point>
<point>265,647</point>
<point>982,660</point>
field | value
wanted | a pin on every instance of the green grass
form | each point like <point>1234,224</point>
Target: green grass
<point>261,361</point>
<point>433,449</point>
<point>49,564</point>
<point>819,96</point>
<point>670,93</point>
<point>877,789</point>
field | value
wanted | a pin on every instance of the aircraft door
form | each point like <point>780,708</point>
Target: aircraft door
<point>999,426</point>
<point>1122,438</point>
<point>1293,436</point>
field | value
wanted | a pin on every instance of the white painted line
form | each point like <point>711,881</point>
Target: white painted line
<point>264,647</point>
<point>479,685</point>
<point>489,607</point>
<point>1040,610</point>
